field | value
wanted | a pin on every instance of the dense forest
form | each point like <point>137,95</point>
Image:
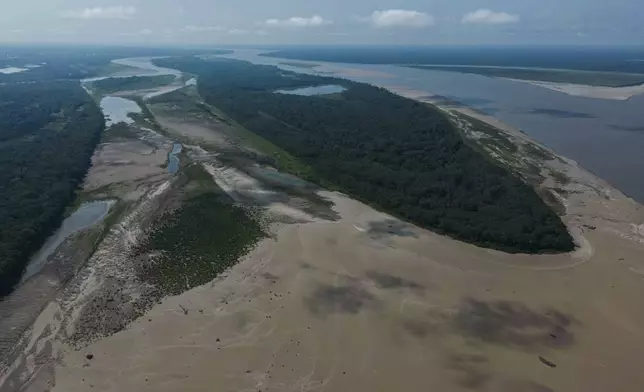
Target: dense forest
<point>392,152</point>
<point>48,132</point>
<point>112,85</point>
<point>52,63</point>
<point>616,59</point>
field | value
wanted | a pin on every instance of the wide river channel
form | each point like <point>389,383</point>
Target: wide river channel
<point>604,136</point>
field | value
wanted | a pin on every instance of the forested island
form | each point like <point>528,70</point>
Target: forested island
<point>48,132</point>
<point>112,85</point>
<point>394,153</point>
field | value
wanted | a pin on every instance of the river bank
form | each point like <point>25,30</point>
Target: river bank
<point>603,135</point>
<point>580,90</point>
<point>358,300</point>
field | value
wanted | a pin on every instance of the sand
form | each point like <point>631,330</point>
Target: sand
<point>370,303</point>
<point>580,90</point>
<point>327,306</point>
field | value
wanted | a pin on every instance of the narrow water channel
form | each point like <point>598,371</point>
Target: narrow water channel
<point>85,217</point>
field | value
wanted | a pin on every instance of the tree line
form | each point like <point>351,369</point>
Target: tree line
<point>48,133</point>
<point>397,154</point>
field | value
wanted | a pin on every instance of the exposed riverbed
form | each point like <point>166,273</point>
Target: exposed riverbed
<point>86,216</point>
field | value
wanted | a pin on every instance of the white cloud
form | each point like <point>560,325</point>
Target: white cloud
<point>298,21</point>
<point>196,29</point>
<point>114,12</point>
<point>238,32</point>
<point>401,18</point>
<point>145,32</point>
<point>485,16</point>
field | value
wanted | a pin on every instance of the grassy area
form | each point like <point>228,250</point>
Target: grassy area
<point>498,147</point>
<point>605,79</point>
<point>119,131</point>
<point>199,240</point>
<point>538,152</point>
<point>283,160</point>
<point>190,103</point>
<point>110,69</point>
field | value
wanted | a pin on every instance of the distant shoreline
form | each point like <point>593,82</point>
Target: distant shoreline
<point>581,90</point>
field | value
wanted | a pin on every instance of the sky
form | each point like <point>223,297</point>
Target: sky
<point>330,22</point>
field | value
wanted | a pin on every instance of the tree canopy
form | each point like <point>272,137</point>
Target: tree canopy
<point>48,132</point>
<point>394,153</point>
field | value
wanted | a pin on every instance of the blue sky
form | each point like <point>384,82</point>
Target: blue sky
<point>323,21</point>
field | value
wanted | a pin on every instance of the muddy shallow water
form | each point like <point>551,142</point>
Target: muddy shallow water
<point>86,216</point>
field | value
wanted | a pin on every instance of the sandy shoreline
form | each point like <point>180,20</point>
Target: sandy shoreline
<point>368,302</point>
<point>579,90</point>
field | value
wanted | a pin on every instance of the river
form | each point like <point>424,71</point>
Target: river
<point>116,110</point>
<point>86,216</point>
<point>604,136</point>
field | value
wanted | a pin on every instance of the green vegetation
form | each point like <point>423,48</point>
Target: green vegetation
<point>192,105</point>
<point>112,85</point>
<point>57,63</point>
<point>40,165</point>
<point>607,79</point>
<point>538,152</point>
<point>397,154</point>
<point>202,238</point>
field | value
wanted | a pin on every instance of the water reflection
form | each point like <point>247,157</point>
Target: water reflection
<point>117,109</point>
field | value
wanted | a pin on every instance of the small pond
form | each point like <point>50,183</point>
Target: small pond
<point>314,90</point>
<point>173,159</point>
<point>116,110</point>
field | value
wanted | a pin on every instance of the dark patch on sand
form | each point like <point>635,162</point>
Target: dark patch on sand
<point>390,227</point>
<point>560,113</point>
<point>471,374</point>
<point>386,281</point>
<point>346,299</point>
<point>523,386</point>
<point>419,329</point>
<point>269,276</point>
<point>514,324</point>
